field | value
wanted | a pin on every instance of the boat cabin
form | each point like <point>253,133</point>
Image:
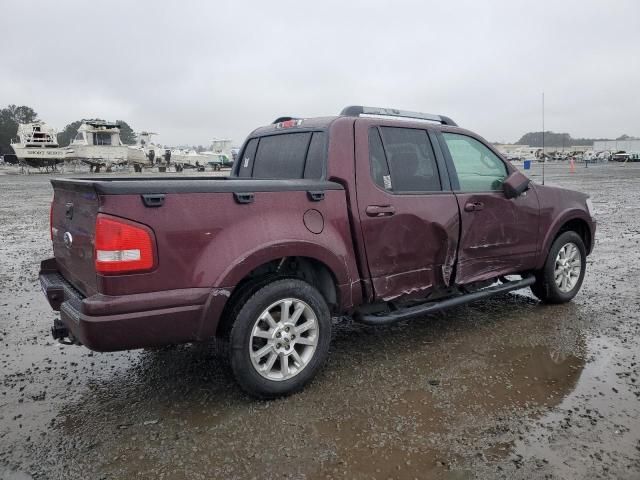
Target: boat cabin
<point>37,134</point>
<point>98,133</point>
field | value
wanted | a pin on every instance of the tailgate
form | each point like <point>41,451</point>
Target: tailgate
<point>73,221</point>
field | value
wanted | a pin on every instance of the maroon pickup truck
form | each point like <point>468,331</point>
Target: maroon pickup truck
<point>380,214</point>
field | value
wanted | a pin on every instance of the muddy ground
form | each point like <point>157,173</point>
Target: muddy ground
<point>505,388</point>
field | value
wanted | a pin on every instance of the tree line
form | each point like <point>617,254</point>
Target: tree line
<point>552,139</point>
<point>10,117</point>
<point>13,115</point>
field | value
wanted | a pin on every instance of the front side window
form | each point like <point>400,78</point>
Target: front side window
<point>478,168</point>
<point>402,160</point>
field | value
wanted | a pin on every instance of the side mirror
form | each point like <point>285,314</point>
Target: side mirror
<point>515,185</point>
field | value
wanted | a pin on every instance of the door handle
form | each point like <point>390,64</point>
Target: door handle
<point>380,210</point>
<point>473,206</point>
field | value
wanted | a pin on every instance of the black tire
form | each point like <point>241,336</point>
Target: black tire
<point>240,338</point>
<point>240,296</point>
<point>545,287</point>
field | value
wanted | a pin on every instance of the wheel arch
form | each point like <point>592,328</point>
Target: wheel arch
<point>240,269</point>
<point>313,271</point>
<point>319,268</point>
<point>571,221</point>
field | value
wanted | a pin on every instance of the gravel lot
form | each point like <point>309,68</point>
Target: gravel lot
<point>505,388</point>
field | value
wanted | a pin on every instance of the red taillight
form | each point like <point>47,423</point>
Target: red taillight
<point>122,247</point>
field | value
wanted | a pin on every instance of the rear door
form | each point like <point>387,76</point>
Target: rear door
<point>498,235</point>
<point>73,222</point>
<point>408,213</point>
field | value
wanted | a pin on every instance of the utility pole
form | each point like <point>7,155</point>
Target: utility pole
<point>544,160</point>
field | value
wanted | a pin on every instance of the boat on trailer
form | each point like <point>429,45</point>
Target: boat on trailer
<point>98,144</point>
<point>37,146</point>
<point>146,153</point>
<point>218,157</point>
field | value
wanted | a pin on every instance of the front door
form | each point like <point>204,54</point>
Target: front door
<point>408,213</point>
<point>498,235</point>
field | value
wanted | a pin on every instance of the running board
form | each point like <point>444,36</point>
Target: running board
<point>431,307</point>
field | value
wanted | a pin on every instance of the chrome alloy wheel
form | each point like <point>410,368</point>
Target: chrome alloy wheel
<point>283,339</point>
<point>568,267</point>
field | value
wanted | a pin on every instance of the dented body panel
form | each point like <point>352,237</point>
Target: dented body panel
<point>499,239</point>
<point>411,251</point>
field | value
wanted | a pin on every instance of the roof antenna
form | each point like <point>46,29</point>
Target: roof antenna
<point>544,160</point>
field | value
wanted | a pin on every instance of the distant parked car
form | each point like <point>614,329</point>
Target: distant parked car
<point>620,156</point>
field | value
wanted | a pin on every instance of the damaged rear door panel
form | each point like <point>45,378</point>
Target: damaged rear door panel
<point>408,213</point>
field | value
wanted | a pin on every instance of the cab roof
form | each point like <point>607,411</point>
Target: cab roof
<point>286,122</point>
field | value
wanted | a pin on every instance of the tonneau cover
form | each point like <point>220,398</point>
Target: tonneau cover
<point>139,185</point>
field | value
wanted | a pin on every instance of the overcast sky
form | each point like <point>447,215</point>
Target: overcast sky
<point>194,70</point>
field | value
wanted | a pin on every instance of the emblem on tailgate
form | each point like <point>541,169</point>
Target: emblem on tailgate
<point>68,239</point>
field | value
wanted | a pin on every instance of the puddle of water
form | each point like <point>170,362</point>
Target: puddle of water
<point>596,413</point>
<point>413,400</point>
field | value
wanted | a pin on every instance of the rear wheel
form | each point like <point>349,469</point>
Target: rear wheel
<point>561,277</point>
<point>280,338</point>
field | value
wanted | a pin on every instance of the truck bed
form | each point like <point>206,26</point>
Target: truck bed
<point>206,229</point>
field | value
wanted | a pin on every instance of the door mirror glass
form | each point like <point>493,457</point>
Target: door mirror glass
<point>515,185</point>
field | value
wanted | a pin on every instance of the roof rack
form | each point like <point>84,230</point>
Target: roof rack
<point>358,110</point>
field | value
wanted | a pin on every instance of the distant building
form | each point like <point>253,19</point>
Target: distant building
<point>526,152</point>
<point>617,145</point>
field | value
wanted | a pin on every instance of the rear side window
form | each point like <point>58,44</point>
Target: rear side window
<point>246,162</point>
<point>315,156</point>
<point>287,156</point>
<point>410,160</point>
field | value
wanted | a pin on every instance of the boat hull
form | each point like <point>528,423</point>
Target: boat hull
<point>101,154</point>
<point>137,155</point>
<point>41,156</point>
<point>191,159</point>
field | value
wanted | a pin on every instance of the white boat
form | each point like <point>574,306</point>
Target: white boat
<point>152,150</point>
<point>223,151</point>
<point>146,153</point>
<point>221,145</point>
<point>37,146</point>
<point>98,144</point>
<point>191,158</point>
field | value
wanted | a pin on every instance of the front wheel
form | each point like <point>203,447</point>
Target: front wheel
<point>280,338</point>
<point>561,277</point>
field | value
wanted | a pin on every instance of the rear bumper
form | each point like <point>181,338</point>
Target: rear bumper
<point>107,323</point>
